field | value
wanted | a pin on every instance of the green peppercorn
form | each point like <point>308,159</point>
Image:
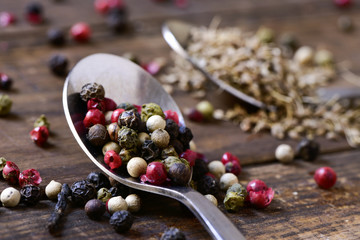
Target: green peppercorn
<point>5,104</point>
<point>127,154</point>
<point>324,58</point>
<point>150,109</point>
<point>235,197</point>
<point>42,121</point>
<point>128,138</point>
<point>111,146</point>
<point>171,160</point>
<point>103,194</point>
<point>265,35</point>
<point>126,106</point>
<point>168,151</point>
<point>238,188</point>
<point>206,109</point>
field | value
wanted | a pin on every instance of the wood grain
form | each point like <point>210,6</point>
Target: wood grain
<point>300,210</point>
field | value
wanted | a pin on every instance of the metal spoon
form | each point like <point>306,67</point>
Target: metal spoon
<point>124,81</point>
<point>176,34</point>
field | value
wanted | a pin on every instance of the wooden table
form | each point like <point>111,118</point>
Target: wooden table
<point>300,210</point>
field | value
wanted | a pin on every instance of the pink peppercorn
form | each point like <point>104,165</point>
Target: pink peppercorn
<point>259,194</point>
<point>138,108</point>
<point>11,172</point>
<point>39,135</point>
<point>325,177</point>
<point>190,156</point>
<point>112,159</point>
<point>170,114</point>
<point>116,114</point>
<point>92,117</point>
<point>155,173</point>
<point>95,103</point>
<point>232,163</point>
<point>29,177</point>
<point>80,32</point>
<point>110,105</point>
<point>194,115</point>
<point>103,6</point>
<point>6,18</point>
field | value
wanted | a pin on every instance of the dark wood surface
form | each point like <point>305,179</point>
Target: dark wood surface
<point>300,210</point>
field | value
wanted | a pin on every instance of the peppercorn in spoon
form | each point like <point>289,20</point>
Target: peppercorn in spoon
<point>125,81</point>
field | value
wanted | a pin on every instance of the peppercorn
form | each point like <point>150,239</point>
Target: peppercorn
<point>179,147</point>
<point>112,159</point>
<point>128,138</point>
<point>39,135</point>
<point>42,121</point>
<point>98,179</point>
<point>168,151</point>
<point>172,128</point>
<point>194,115</point>
<point>284,153</point>
<point>53,189</point>
<point>34,13</point>
<point>11,172</point>
<point>212,199</point>
<point>111,146</point>
<point>289,41</point>
<point>58,65</point>
<point>121,221</point>
<point>199,169</point>
<point>56,37</point>
<point>104,194</point>
<point>308,149</point>
<point>227,180</point>
<point>6,18</point>
<point>10,197</point>
<point>155,173</point>
<point>149,151</point>
<point>82,191</point>
<point>179,173</point>
<point>265,35</point>
<point>126,106</point>
<point>259,194</point>
<point>134,203</point>
<point>107,116</point>
<point>30,195</point>
<point>232,163</point>
<point>324,58</point>
<point>119,190</point>
<point>116,20</point>
<point>185,136</point>
<point>95,103</point>
<point>304,55</point>
<point>207,185</point>
<point>2,164</point>
<point>172,234</point>
<point>170,114</point>
<point>136,167</point>
<point>113,130</point>
<point>155,122</point>
<point>130,119</point>
<point>80,32</point>
<point>325,177</point>
<point>143,136</point>
<point>235,197</point>
<point>92,90</point>
<point>94,209</point>
<point>189,156</point>
<point>115,204</point>
<point>150,109</point>
<point>345,24</point>
<point>160,138</point>
<point>116,114</point>
<point>29,177</point>
<point>206,109</point>
<point>171,160</point>
<point>127,154</point>
<point>216,168</point>
<point>97,135</point>
<point>5,104</point>
<point>92,117</point>
<point>5,82</point>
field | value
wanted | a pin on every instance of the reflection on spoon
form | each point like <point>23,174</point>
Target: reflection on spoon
<point>125,81</point>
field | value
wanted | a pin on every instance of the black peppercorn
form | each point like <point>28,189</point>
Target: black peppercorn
<point>185,136</point>
<point>179,147</point>
<point>200,169</point>
<point>99,180</point>
<point>172,128</point>
<point>82,191</point>
<point>130,119</point>
<point>126,106</point>
<point>97,135</point>
<point>92,90</point>
<point>173,234</point>
<point>30,195</point>
<point>308,149</point>
<point>149,151</point>
<point>128,138</point>
<point>116,20</point>
<point>58,65</point>
<point>56,37</point>
<point>208,185</point>
<point>119,190</point>
<point>121,221</point>
<point>95,208</point>
<point>5,82</point>
<point>34,8</point>
<point>179,173</point>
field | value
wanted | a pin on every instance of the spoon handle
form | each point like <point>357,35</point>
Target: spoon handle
<point>215,222</point>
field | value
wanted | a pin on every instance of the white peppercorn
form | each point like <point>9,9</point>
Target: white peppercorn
<point>323,57</point>
<point>136,166</point>
<point>212,199</point>
<point>216,168</point>
<point>10,197</point>
<point>108,115</point>
<point>111,146</point>
<point>284,153</point>
<point>192,145</point>
<point>227,180</point>
<point>53,189</point>
<point>155,122</point>
<point>133,201</point>
<point>161,138</point>
<point>143,136</point>
<point>115,204</point>
<point>304,55</point>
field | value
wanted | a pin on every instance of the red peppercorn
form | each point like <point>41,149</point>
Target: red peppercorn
<point>259,194</point>
<point>11,172</point>
<point>6,18</point>
<point>256,185</point>
<point>112,159</point>
<point>194,115</point>
<point>138,108</point>
<point>103,6</point>
<point>110,105</point>
<point>325,177</point>
<point>29,177</point>
<point>116,114</point>
<point>155,173</point>
<point>34,13</point>
<point>232,163</point>
<point>80,128</point>
<point>342,3</point>
<point>92,117</point>
<point>152,67</point>
<point>190,156</point>
<point>39,135</point>
<point>170,114</point>
<point>95,103</point>
<point>80,32</point>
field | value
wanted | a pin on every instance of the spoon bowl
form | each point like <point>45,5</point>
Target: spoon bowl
<point>125,81</point>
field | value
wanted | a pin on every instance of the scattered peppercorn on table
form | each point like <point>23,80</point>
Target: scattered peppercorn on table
<point>299,209</point>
